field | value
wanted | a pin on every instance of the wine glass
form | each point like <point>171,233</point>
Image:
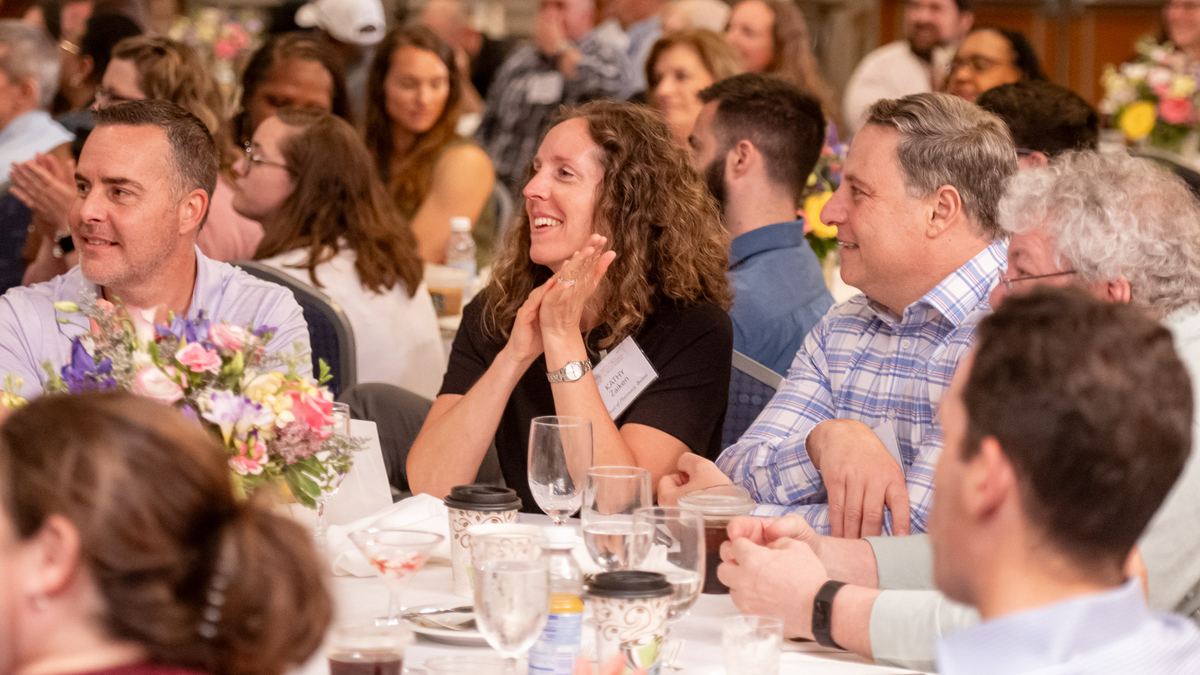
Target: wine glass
<point>611,495</point>
<point>396,555</point>
<point>512,598</point>
<point>332,479</point>
<point>560,453</point>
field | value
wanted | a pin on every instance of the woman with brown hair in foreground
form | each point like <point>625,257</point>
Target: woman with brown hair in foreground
<point>123,550</point>
<point>607,176</point>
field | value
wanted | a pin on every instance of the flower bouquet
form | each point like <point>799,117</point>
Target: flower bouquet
<point>224,37</point>
<point>1153,98</point>
<point>822,182</point>
<point>274,423</point>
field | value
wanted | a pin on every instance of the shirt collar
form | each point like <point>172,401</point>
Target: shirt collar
<point>768,238</point>
<point>1047,635</point>
<point>956,296</point>
<point>206,287</point>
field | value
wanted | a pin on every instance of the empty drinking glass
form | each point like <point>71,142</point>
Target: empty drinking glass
<point>611,495</point>
<point>331,481</point>
<point>512,599</point>
<point>751,645</point>
<point>676,550</point>
<point>560,453</point>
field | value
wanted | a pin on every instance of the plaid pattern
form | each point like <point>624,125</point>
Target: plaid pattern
<point>860,363</point>
<point>512,126</point>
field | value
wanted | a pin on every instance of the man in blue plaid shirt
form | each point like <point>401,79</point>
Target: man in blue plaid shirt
<point>854,428</point>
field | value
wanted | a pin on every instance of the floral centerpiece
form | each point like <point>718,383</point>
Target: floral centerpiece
<point>225,38</point>
<point>274,424</point>
<point>822,182</point>
<point>1153,98</point>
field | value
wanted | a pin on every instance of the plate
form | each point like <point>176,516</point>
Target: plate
<point>471,638</point>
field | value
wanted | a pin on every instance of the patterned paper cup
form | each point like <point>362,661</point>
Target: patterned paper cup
<point>470,506</point>
<point>630,609</point>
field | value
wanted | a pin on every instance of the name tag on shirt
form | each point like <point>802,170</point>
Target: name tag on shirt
<point>622,376</point>
<point>545,88</point>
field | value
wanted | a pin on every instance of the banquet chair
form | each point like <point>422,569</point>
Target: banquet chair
<point>329,330</point>
<point>751,386</point>
<point>15,218</point>
<point>1173,163</point>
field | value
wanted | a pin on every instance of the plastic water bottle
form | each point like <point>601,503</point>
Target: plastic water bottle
<point>460,252</point>
<point>561,641</point>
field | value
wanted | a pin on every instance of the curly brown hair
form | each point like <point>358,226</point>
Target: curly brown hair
<point>657,215</point>
<point>408,180</point>
<point>339,201</point>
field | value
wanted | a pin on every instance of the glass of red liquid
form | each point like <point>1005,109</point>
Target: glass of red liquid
<point>719,504</point>
<point>371,648</point>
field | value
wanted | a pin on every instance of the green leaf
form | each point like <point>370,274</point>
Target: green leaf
<point>325,373</point>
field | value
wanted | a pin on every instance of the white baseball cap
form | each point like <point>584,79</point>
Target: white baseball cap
<point>359,22</point>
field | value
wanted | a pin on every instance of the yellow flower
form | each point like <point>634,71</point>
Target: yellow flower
<point>1182,87</point>
<point>812,214</point>
<point>258,387</point>
<point>1137,120</point>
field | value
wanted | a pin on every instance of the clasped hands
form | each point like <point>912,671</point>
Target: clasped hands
<point>46,185</point>
<point>554,310</point>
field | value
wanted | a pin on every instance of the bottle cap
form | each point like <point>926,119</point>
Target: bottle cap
<point>460,224</point>
<point>560,536</point>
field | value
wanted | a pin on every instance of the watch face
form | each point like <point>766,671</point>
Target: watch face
<point>573,371</point>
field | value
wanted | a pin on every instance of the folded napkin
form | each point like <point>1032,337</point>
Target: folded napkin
<point>420,512</point>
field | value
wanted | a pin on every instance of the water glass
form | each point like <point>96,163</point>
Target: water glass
<point>332,482</point>
<point>611,495</point>
<point>751,645</point>
<point>512,599</point>
<point>560,453</point>
<point>675,550</point>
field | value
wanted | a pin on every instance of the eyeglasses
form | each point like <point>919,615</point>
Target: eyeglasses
<point>978,63</point>
<point>106,97</point>
<point>1008,283</point>
<point>253,158</point>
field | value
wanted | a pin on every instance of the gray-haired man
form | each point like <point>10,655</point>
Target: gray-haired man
<point>1123,230</point>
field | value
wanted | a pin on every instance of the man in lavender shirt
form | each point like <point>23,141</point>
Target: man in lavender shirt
<point>145,179</point>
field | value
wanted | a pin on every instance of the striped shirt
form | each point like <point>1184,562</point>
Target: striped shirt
<point>1107,633</point>
<point>861,363</point>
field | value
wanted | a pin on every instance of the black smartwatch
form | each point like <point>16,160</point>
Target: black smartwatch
<point>822,616</point>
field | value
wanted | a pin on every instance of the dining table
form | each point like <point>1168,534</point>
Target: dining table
<point>698,634</point>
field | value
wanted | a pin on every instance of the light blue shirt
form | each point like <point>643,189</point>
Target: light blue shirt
<point>779,293</point>
<point>27,135</point>
<point>862,363</point>
<point>1112,632</point>
<point>642,36</point>
<point>30,333</point>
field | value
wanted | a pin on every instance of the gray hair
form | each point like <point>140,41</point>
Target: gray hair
<point>945,140</point>
<point>1113,216</point>
<point>26,51</point>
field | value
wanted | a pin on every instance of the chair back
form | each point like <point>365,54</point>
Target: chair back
<point>329,330</point>
<point>1172,162</point>
<point>751,386</point>
<point>15,218</point>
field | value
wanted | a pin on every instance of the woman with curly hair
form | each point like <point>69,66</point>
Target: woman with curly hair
<point>413,94</point>
<point>772,37</point>
<point>605,174</point>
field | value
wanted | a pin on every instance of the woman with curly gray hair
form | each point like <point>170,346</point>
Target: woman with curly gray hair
<point>1123,228</point>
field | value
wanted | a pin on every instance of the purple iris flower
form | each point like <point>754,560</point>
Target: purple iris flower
<point>84,374</point>
<point>182,328</point>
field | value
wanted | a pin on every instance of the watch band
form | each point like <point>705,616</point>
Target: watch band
<point>570,372</point>
<point>822,614</point>
<point>63,244</point>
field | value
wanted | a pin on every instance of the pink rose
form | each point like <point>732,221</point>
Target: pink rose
<point>250,457</point>
<point>1176,110</point>
<point>313,411</point>
<point>227,337</point>
<point>105,306</point>
<point>154,383</point>
<point>198,359</point>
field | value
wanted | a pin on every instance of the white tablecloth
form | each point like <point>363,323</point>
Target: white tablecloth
<point>365,598</point>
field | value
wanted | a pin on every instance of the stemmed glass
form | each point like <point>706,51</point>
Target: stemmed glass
<point>676,550</point>
<point>331,482</point>
<point>611,495</point>
<point>396,555</point>
<point>560,453</point>
<point>512,597</point>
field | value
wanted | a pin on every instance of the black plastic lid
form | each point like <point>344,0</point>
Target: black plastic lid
<point>483,498</point>
<point>629,584</point>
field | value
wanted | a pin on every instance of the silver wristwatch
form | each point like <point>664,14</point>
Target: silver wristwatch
<point>570,372</point>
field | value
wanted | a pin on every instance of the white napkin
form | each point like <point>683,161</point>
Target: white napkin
<point>420,512</point>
